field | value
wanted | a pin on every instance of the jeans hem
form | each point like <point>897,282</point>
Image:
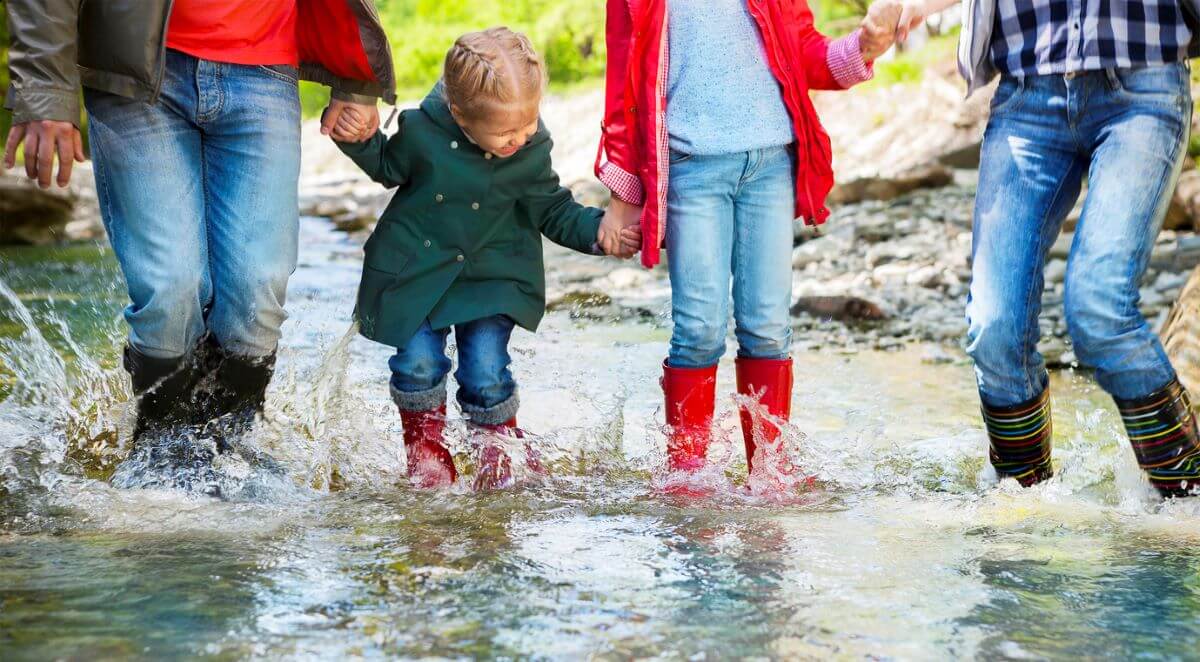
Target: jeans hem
<point>496,414</point>
<point>426,400</point>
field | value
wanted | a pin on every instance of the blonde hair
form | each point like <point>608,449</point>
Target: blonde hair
<point>492,69</point>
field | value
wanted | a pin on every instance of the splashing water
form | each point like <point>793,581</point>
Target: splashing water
<point>902,546</point>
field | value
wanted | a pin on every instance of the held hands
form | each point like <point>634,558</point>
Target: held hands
<point>44,139</point>
<point>914,12</point>
<point>349,122</point>
<point>620,232</point>
<point>879,27</point>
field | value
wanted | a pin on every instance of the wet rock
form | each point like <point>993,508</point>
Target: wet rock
<point>1054,350</point>
<point>1184,212</point>
<point>882,187</point>
<point>580,299</point>
<point>353,221</point>
<point>1056,270</point>
<point>965,156</point>
<point>935,354</point>
<point>840,308</point>
<point>31,215</point>
<point>818,250</point>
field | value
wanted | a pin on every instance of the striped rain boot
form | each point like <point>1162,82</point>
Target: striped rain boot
<point>1020,439</point>
<point>1162,430</point>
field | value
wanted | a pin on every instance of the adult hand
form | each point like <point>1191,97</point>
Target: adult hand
<point>349,122</point>
<point>913,13</point>
<point>44,139</point>
<point>879,28</point>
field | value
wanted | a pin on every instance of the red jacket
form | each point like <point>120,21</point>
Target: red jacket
<point>633,156</point>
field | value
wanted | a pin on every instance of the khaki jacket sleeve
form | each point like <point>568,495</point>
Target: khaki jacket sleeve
<point>43,41</point>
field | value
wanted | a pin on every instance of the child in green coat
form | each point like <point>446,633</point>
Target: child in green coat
<point>459,246</point>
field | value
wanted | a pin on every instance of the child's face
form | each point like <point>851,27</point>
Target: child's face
<point>503,132</point>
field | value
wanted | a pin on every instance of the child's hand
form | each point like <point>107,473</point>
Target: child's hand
<point>879,28</point>
<point>620,234</point>
<point>349,122</point>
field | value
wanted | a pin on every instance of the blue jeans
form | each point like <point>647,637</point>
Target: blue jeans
<point>486,390</point>
<point>730,218</point>
<point>1127,131</point>
<point>198,194</point>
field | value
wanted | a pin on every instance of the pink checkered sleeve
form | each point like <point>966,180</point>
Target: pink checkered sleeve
<point>846,63</point>
<point>624,184</point>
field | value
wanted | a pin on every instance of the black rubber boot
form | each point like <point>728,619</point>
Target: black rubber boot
<point>166,452</point>
<point>1162,430</point>
<point>164,389</point>
<point>238,390</point>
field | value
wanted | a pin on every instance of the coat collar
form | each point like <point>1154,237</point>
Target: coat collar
<point>435,107</point>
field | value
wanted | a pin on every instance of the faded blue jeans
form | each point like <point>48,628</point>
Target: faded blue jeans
<point>730,219</point>
<point>1127,131</point>
<point>487,392</point>
<point>198,192</point>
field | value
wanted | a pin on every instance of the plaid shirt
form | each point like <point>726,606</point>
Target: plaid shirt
<point>1059,36</point>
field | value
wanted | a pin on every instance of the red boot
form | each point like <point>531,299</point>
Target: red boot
<point>769,381</point>
<point>690,400</point>
<point>429,461</point>
<point>495,464</point>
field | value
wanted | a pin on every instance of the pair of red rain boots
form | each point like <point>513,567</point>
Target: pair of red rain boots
<point>430,464</point>
<point>691,400</point>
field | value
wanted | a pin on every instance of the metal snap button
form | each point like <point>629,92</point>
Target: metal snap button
<point>475,206</point>
<point>428,243</point>
<point>488,156</point>
<point>439,197</point>
<point>453,144</point>
<point>460,257</point>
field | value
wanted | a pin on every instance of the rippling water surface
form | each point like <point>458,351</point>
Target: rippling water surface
<point>904,547</point>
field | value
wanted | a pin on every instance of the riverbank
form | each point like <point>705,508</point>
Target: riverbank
<point>889,269</point>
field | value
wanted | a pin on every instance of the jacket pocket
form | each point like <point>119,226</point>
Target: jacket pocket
<point>371,308</point>
<point>1009,94</point>
<point>1163,85</point>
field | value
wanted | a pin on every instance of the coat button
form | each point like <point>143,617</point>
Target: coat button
<point>475,206</point>
<point>453,144</point>
<point>428,243</point>
<point>488,156</point>
<point>439,197</point>
<point>460,257</point>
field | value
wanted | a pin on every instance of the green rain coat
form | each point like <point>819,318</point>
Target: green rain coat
<point>462,238</point>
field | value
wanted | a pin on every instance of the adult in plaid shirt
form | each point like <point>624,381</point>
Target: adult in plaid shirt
<point>1087,88</point>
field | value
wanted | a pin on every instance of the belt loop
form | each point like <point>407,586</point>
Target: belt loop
<point>1114,83</point>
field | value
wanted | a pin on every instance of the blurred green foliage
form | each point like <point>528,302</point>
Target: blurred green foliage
<point>568,33</point>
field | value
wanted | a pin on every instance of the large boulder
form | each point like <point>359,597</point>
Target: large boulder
<point>889,187</point>
<point>1181,334</point>
<point>31,215</point>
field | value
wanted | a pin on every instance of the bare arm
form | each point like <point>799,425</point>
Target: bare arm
<point>916,11</point>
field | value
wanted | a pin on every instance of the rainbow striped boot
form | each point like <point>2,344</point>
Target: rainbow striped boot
<point>1162,430</point>
<point>1020,438</point>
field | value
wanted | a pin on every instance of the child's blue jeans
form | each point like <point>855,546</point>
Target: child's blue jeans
<point>486,390</point>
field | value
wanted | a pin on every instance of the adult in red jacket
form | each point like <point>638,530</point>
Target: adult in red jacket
<point>711,141</point>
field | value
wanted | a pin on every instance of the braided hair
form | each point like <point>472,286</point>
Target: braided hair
<point>493,68</point>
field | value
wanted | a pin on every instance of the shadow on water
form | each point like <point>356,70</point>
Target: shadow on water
<point>903,547</point>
